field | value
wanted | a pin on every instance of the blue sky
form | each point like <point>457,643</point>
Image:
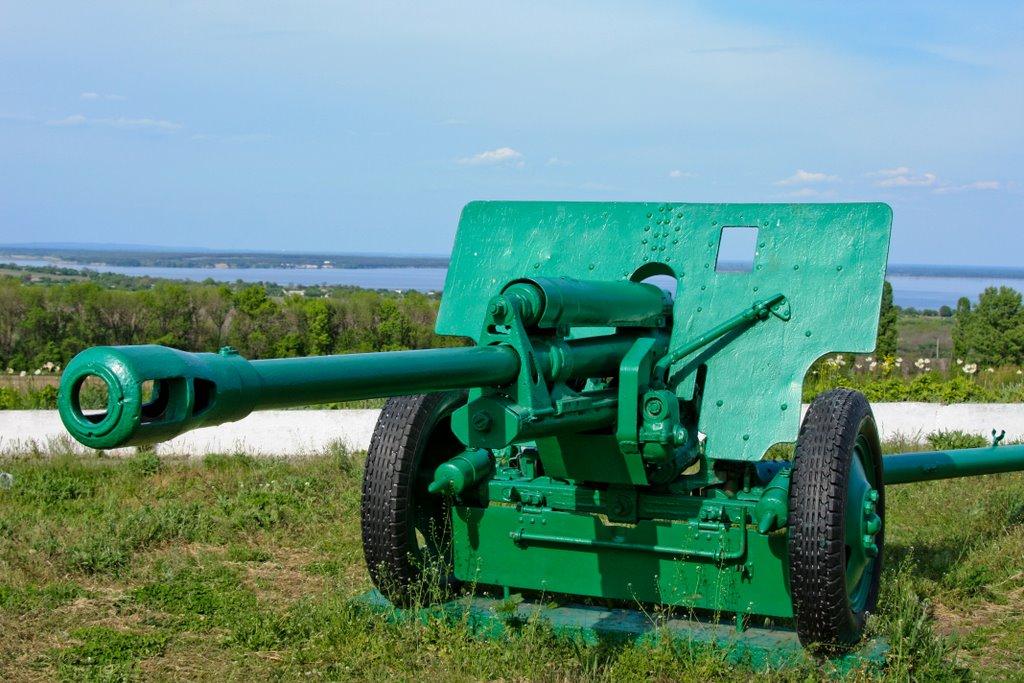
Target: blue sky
<point>366,127</point>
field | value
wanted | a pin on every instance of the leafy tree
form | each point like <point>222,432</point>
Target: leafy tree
<point>394,329</point>
<point>254,302</point>
<point>888,335</point>
<point>991,333</point>
<point>288,346</point>
<point>318,328</point>
<point>961,327</point>
<point>173,315</point>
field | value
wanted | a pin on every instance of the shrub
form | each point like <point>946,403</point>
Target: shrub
<point>955,439</point>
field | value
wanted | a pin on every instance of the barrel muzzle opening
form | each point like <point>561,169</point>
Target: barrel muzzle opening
<point>90,424</point>
<point>109,399</point>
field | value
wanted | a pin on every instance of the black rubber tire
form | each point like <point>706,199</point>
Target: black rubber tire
<point>412,436</point>
<point>824,616</point>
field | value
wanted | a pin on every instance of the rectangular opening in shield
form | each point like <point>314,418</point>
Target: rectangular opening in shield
<point>736,250</point>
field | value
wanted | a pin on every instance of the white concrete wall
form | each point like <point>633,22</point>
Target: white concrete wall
<point>271,432</point>
<point>916,420</point>
<point>303,432</point>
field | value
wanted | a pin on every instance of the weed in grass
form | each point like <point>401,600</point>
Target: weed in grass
<point>105,654</point>
<point>200,596</point>
<point>109,547</point>
<point>325,568</point>
<point>21,599</point>
<point>904,443</point>
<point>67,481</point>
<point>260,508</point>
<point>954,439</point>
<point>244,553</point>
<point>343,458</point>
<point>971,580</point>
<point>219,461</point>
<point>665,658</point>
<point>144,463</point>
<point>915,653</point>
<point>95,554</point>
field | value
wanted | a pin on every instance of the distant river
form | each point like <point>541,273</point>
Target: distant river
<point>918,291</point>
<point>421,279</point>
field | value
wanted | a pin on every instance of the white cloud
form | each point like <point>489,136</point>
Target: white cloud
<point>555,161</point>
<point>889,172</point>
<point>101,96</point>
<point>802,177</point>
<point>73,120</point>
<point>908,180</point>
<point>676,173</point>
<point>976,185</point>
<point>904,176</point>
<point>119,122</point>
<point>501,155</point>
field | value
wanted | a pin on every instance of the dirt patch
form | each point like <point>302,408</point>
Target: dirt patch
<point>958,621</point>
<point>282,580</point>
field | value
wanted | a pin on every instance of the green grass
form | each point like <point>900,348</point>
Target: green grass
<point>918,335</point>
<point>234,568</point>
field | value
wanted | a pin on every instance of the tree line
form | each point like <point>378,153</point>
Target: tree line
<point>50,323</point>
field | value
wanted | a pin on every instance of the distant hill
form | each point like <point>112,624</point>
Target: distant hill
<point>166,257</point>
<point>912,270</point>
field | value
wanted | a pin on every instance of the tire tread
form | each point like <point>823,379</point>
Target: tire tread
<point>817,543</point>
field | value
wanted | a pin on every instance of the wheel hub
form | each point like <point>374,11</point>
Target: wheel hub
<point>862,527</point>
<point>871,523</point>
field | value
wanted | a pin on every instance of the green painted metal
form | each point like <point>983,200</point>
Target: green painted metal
<point>635,376</point>
<point>906,468</point>
<point>462,471</point>
<point>201,389</point>
<point>827,259</point>
<point>535,318</point>
<point>712,565</point>
<point>564,302</point>
<point>772,511</point>
<point>862,524</point>
<point>758,646</point>
<point>621,503</point>
<point>603,462</point>
<point>758,311</point>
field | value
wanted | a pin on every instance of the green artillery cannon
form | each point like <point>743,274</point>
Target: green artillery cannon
<point>603,437</point>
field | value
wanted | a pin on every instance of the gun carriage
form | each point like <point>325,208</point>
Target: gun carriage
<point>603,437</point>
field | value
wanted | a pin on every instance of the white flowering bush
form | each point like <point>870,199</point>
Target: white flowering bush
<point>920,378</point>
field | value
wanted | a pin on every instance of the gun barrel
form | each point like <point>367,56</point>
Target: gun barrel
<point>290,382</point>
<point>191,390</point>
<point>906,468</point>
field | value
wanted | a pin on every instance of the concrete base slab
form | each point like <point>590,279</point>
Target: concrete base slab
<point>760,647</point>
